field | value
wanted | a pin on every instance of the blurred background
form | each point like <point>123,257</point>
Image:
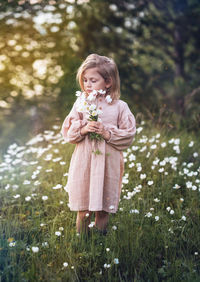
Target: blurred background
<point>156,45</point>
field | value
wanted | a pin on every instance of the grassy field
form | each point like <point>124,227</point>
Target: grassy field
<point>154,236</point>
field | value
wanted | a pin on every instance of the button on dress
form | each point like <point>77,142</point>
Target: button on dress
<point>95,180</point>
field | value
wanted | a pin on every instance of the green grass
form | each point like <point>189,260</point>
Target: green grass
<point>154,235</point>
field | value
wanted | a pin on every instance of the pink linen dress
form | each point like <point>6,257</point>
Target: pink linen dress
<point>95,180</point>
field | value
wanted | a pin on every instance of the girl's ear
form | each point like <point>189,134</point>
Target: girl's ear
<point>108,82</point>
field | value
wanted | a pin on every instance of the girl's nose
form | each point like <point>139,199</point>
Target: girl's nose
<point>88,83</point>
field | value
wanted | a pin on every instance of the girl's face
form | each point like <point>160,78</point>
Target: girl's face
<point>92,80</point>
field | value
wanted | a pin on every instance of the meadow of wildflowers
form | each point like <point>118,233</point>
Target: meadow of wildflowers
<point>154,236</point>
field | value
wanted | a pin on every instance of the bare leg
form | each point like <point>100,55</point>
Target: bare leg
<point>101,220</point>
<point>82,221</point>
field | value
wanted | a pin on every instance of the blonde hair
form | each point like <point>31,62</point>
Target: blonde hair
<point>107,68</point>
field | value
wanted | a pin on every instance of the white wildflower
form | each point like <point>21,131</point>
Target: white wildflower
<point>7,186</point>
<point>134,211</point>
<point>16,196</point>
<point>106,265</point>
<point>116,261</point>
<point>58,233</point>
<point>143,149</point>
<point>12,244</point>
<point>149,214</point>
<point>176,186</point>
<point>92,224</point>
<point>101,91</point>
<point>35,249</point>
<point>58,186</point>
<point>44,198</point>
<point>191,144</point>
<point>57,159</point>
<point>163,163</point>
<point>143,176</point>
<point>132,157</point>
<point>78,93</point>
<point>26,182</point>
<point>92,107</point>
<point>135,148</point>
<point>153,147</point>
<point>92,96</point>
<point>94,113</point>
<point>99,112</point>
<point>45,244</point>
<point>163,145</point>
<point>177,149</point>
<point>156,200</point>
<point>161,170</point>
<point>139,129</point>
<point>189,184</point>
<point>148,155</point>
<point>108,99</point>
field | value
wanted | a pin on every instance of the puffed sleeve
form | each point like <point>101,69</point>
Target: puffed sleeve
<point>72,125</point>
<point>121,136</point>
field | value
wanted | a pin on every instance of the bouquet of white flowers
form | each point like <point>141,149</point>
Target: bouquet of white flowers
<point>91,109</point>
<point>94,116</point>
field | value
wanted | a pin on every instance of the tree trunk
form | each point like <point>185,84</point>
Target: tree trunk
<point>179,53</point>
<point>179,64</point>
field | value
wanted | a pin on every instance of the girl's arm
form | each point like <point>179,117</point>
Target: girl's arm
<point>71,127</point>
<point>121,137</point>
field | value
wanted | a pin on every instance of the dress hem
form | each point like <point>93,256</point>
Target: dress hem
<point>93,210</point>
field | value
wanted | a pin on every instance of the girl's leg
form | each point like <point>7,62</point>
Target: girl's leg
<point>101,220</point>
<point>82,221</point>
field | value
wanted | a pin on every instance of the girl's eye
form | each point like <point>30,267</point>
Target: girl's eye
<point>93,81</point>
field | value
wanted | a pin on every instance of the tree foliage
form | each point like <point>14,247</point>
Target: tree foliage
<point>154,43</point>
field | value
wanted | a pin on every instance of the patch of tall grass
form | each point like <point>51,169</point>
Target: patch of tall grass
<point>154,236</point>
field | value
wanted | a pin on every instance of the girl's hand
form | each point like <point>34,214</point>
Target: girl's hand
<point>91,126</point>
<point>95,126</point>
<point>101,130</point>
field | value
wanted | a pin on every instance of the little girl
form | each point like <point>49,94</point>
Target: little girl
<point>96,167</point>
